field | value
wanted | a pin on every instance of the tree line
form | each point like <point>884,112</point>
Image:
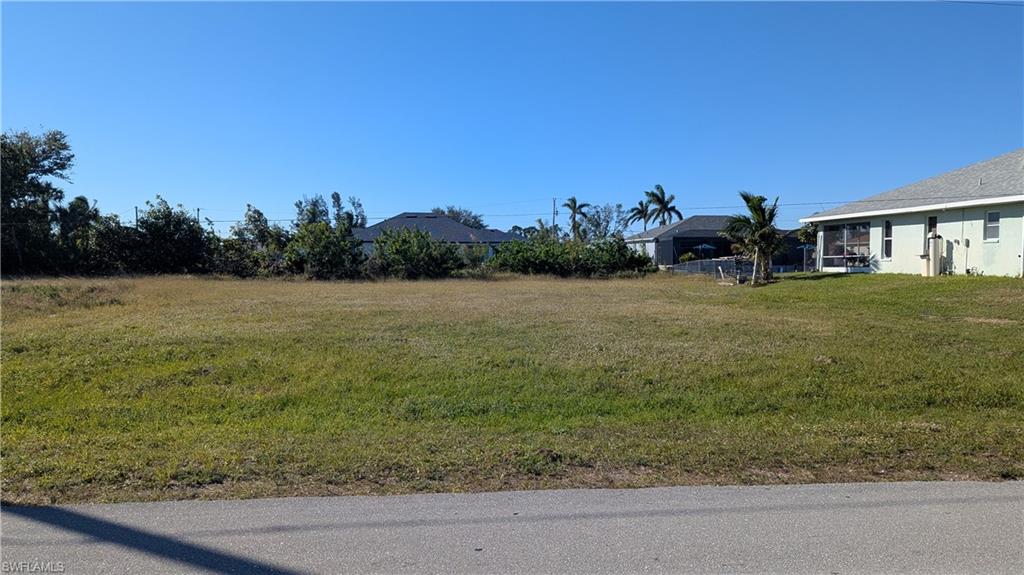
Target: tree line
<point>43,234</point>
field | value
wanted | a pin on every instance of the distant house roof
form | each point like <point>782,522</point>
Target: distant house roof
<point>440,227</point>
<point>995,181</point>
<point>691,227</point>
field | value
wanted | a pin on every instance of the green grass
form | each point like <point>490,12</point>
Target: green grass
<point>176,387</point>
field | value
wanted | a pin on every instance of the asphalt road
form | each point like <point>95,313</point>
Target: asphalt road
<point>891,527</point>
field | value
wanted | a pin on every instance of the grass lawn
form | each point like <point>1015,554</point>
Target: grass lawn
<point>173,387</point>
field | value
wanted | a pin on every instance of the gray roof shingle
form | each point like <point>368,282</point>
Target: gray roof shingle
<point>440,228</point>
<point>693,226</point>
<point>995,178</point>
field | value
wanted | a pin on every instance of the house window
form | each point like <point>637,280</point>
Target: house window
<point>992,226</point>
<point>887,240</point>
<point>846,245</point>
<point>931,229</point>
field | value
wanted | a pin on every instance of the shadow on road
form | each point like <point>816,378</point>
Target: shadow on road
<point>146,542</point>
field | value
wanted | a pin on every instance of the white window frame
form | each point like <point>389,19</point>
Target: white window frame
<point>885,224</point>
<point>997,226</point>
<point>846,267</point>
<point>927,231</point>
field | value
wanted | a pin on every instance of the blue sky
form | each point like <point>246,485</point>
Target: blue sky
<point>500,107</point>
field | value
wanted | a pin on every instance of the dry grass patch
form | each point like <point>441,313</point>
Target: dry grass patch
<point>35,297</point>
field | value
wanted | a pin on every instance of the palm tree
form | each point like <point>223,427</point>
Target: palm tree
<point>73,225</point>
<point>641,212</point>
<point>661,206</point>
<point>756,233</point>
<point>576,211</point>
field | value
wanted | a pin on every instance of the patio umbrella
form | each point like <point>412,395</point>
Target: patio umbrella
<point>703,247</point>
<point>805,248</point>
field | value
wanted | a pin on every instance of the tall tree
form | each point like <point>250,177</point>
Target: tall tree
<point>641,212</point>
<point>29,165</point>
<point>265,241</point>
<point>114,247</point>
<point>253,229</point>
<point>539,231</point>
<point>358,214</point>
<point>808,234</point>
<point>464,216</point>
<point>662,209</point>
<point>171,240</point>
<point>527,232</point>
<point>577,211</point>
<point>311,210</point>
<point>604,222</point>
<point>755,232</point>
<point>319,251</point>
<point>342,218</point>
<point>347,218</point>
<point>74,226</point>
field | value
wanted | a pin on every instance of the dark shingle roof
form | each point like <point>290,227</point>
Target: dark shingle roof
<point>999,177</point>
<point>692,227</point>
<point>440,227</point>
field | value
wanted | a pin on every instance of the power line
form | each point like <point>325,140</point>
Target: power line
<point>530,201</point>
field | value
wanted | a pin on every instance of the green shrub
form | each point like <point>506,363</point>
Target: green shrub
<point>613,257</point>
<point>170,240</point>
<point>538,255</point>
<point>412,254</point>
<point>475,256</point>
<point>319,251</point>
<point>235,257</point>
<point>543,255</point>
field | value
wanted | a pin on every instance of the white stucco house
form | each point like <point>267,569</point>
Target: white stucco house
<point>968,221</point>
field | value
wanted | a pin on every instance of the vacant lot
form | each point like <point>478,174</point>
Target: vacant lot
<point>181,387</point>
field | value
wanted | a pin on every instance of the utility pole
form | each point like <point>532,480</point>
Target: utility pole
<point>197,215</point>
<point>136,217</point>
<point>554,213</point>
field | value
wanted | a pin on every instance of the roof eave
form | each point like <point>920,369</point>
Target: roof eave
<point>914,209</point>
